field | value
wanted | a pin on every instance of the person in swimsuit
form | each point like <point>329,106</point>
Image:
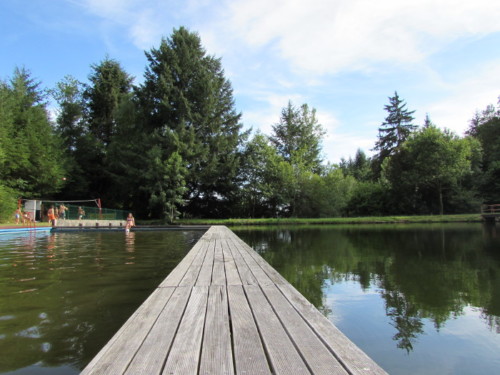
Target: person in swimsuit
<point>81,213</point>
<point>130,222</point>
<point>52,216</point>
<point>62,211</point>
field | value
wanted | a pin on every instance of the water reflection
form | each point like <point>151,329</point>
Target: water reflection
<point>63,295</point>
<point>424,274</point>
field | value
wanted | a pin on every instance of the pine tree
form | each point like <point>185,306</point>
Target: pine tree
<point>109,83</point>
<point>396,128</point>
<point>33,163</point>
<point>187,104</point>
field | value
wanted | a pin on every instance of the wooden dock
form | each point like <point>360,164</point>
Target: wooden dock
<point>225,310</point>
<point>490,212</point>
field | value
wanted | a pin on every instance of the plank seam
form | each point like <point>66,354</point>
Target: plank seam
<point>268,272</point>
<point>254,255</point>
<point>264,346</point>
<point>203,333</point>
<point>231,331</point>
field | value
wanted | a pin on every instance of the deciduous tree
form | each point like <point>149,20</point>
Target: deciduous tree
<point>432,160</point>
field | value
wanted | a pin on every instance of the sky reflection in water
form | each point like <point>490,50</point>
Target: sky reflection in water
<point>419,299</point>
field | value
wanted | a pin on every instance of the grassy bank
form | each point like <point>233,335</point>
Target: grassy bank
<point>464,218</point>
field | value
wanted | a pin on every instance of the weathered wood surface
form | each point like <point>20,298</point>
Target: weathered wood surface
<point>225,310</point>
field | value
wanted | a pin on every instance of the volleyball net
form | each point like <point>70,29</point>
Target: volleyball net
<point>90,209</point>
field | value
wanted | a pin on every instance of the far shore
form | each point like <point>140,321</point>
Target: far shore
<point>462,218</point>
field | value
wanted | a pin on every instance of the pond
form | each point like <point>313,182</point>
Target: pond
<point>64,295</point>
<point>418,299</point>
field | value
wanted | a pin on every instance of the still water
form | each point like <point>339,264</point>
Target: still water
<point>63,295</point>
<point>418,299</point>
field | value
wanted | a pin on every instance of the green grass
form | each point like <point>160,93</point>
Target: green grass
<point>463,218</point>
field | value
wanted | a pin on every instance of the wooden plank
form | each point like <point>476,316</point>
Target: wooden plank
<point>274,275</point>
<point>184,355</point>
<point>232,275</point>
<point>192,274</point>
<point>246,275</point>
<point>205,276</point>
<point>348,354</point>
<point>254,267</point>
<point>218,273</point>
<point>318,358</point>
<point>351,356</point>
<point>152,354</point>
<point>282,354</point>
<point>249,354</point>
<point>218,256</point>
<point>186,329</point>
<point>116,356</point>
<point>177,274</point>
<point>216,354</point>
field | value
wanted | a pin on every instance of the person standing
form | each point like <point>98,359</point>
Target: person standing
<point>81,213</point>
<point>17,214</point>
<point>52,215</point>
<point>130,222</point>
<point>62,211</point>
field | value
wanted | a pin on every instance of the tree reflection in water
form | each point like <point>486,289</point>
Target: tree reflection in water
<point>421,271</point>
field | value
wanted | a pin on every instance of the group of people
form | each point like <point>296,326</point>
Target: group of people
<point>21,216</point>
<point>54,213</point>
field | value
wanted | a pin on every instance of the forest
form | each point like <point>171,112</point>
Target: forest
<point>175,146</point>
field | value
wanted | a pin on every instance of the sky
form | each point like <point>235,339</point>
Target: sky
<point>344,58</point>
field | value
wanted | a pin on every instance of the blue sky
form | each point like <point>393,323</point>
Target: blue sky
<point>342,57</point>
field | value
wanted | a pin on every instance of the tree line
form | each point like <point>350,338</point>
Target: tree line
<point>175,145</point>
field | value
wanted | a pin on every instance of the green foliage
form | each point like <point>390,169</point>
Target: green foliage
<point>165,183</point>
<point>188,102</point>
<point>360,168</point>
<point>430,165</point>
<point>109,84</point>
<point>261,176</point>
<point>298,136</point>
<point>175,146</point>
<point>326,195</point>
<point>369,198</point>
<point>8,203</point>
<point>31,157</point>
<point>71,128</point>
<point>486,129</point>
<point>395,130</point>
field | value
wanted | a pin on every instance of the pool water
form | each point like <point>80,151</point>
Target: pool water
<point>64,295</point>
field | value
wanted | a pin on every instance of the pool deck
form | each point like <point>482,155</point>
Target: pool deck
<point>23,229</point>
<point>225,310</point>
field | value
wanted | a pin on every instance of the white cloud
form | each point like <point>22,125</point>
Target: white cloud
<point>280,50</point>
<point>473,92</point>
<point>323,36</point>
<point>268,111</point>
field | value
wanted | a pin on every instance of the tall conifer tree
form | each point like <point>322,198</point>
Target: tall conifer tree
<point>188,108</point>
<point>396,128</point>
